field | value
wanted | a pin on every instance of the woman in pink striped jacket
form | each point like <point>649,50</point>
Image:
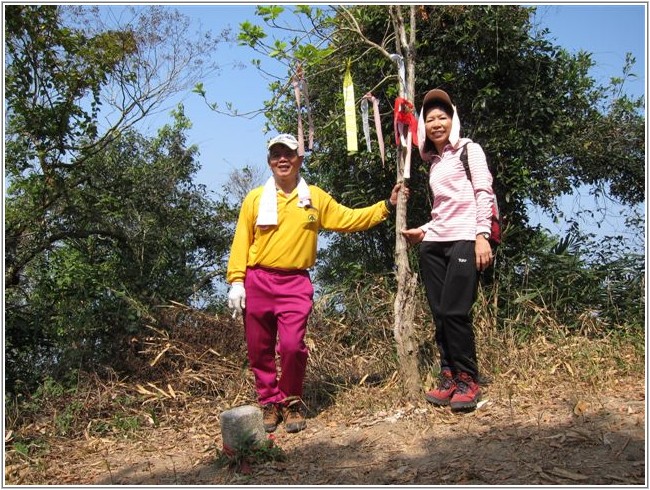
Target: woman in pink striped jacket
<point>454,246</point>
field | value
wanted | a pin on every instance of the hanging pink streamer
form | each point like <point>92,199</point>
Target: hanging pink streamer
<point>300,87</point>
<point>301,136</point>
<point>380,137</point>
<point>310,122</point>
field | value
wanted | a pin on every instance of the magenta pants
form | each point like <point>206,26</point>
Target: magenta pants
<point>278,304</point>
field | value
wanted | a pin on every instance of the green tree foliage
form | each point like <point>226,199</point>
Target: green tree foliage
<point>51,69</point>
<point>61,82</point>
<point>136,233</point>
<point>101,223</point>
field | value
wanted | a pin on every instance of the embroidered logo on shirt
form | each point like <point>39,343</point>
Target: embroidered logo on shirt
<point>311,218</point>
<point>461,260</point>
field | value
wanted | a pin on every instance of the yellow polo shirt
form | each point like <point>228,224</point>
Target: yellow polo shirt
<point>291,245</point>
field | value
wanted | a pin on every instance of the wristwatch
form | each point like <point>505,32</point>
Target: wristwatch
<point>485,235</point>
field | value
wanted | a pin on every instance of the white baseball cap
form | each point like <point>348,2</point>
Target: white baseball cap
<point>284,139</point>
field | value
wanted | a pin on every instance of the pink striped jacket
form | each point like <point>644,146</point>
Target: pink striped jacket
<point>461,209</point>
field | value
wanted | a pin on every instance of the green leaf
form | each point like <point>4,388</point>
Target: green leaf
<point>269,13</point>
<point>198,89</point>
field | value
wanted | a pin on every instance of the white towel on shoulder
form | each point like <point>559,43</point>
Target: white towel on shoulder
<point>267,214</point>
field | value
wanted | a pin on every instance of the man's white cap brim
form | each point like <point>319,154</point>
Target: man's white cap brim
<point>285,139</point>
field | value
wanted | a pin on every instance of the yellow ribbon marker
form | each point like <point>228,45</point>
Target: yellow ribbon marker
<point>350,113</point>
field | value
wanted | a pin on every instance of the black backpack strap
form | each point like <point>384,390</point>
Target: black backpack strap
<point>464,159</point>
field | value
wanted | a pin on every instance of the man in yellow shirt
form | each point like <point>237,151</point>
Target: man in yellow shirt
<point>274,246</point>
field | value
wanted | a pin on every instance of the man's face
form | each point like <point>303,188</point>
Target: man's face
<point>284,162</point>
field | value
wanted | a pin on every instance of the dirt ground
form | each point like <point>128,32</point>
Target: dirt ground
<point>566,435</point>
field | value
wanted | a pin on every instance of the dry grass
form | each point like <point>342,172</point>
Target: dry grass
<point>190,364</point>
<point>546,351</point>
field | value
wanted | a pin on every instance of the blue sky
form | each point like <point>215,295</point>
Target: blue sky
<point>226,143</point>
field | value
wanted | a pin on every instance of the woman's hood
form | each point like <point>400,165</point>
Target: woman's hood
<point>454,136</point>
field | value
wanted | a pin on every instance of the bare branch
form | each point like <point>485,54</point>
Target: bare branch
<point>356,29</point>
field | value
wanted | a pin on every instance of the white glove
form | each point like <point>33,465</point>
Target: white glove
<point>237,298</point>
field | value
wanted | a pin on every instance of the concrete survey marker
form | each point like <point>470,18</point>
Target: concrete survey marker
<point>242,427</point>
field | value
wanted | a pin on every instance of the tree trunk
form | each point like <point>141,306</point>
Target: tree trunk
<point>403,329</point>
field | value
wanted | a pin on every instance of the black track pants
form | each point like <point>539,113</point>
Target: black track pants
<point>450,279</point>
